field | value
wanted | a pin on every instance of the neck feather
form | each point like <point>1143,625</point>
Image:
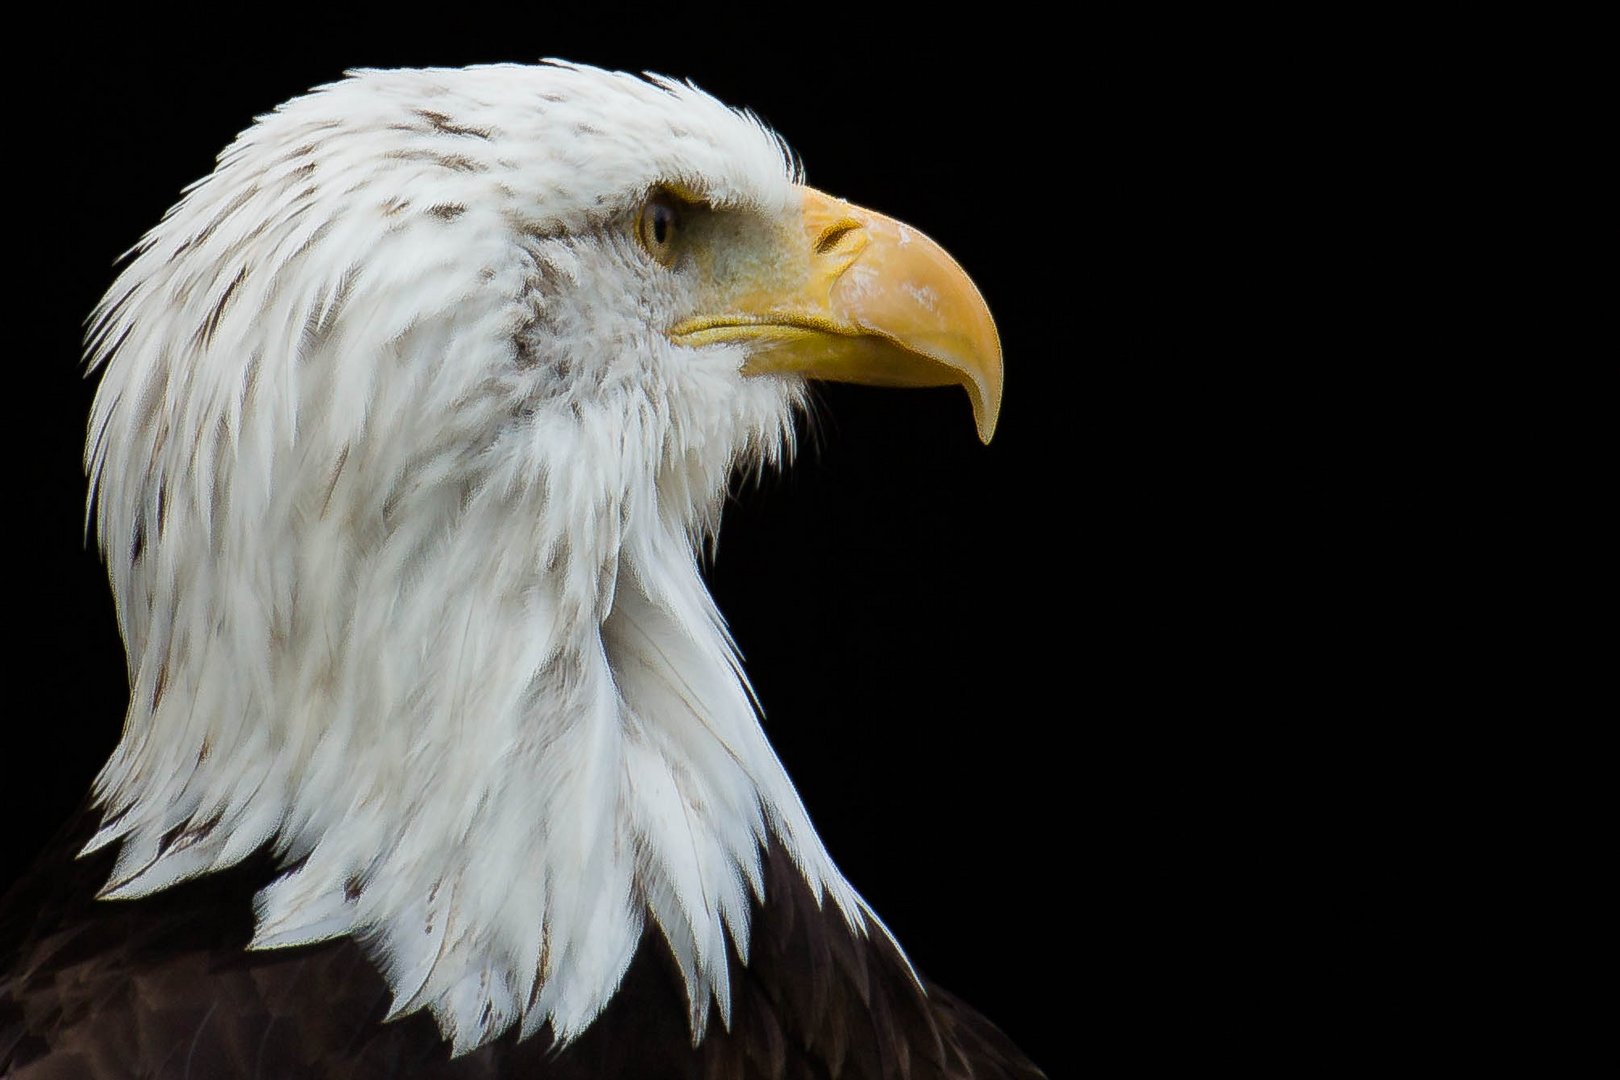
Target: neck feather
<point>491,755</point>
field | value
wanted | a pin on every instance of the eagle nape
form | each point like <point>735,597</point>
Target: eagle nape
<point>414,417</point>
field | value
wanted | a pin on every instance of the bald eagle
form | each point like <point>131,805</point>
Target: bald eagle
<point>415,418</point>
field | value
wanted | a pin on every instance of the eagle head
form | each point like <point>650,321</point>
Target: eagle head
<point>414,418</point>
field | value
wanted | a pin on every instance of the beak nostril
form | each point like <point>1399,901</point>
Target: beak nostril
<point>834,233</point>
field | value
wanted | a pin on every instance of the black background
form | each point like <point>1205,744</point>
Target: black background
<point>1017,685</point>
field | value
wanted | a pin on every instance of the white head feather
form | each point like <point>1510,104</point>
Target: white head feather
<point>401,493</point>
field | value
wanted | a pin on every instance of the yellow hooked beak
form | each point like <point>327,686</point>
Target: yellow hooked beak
<point>859,297</point>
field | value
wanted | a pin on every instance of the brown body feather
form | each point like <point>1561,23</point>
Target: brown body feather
<point>164,988</point>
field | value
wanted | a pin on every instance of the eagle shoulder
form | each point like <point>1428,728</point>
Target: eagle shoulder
<point>165,987</point>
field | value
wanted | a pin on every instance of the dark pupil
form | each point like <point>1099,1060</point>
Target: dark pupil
<point>661,222</point>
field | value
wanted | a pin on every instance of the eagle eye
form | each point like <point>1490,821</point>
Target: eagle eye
<point>658,226</point>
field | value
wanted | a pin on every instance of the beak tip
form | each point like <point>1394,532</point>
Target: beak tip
<point>985,394</point>
<point>985,415</point>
